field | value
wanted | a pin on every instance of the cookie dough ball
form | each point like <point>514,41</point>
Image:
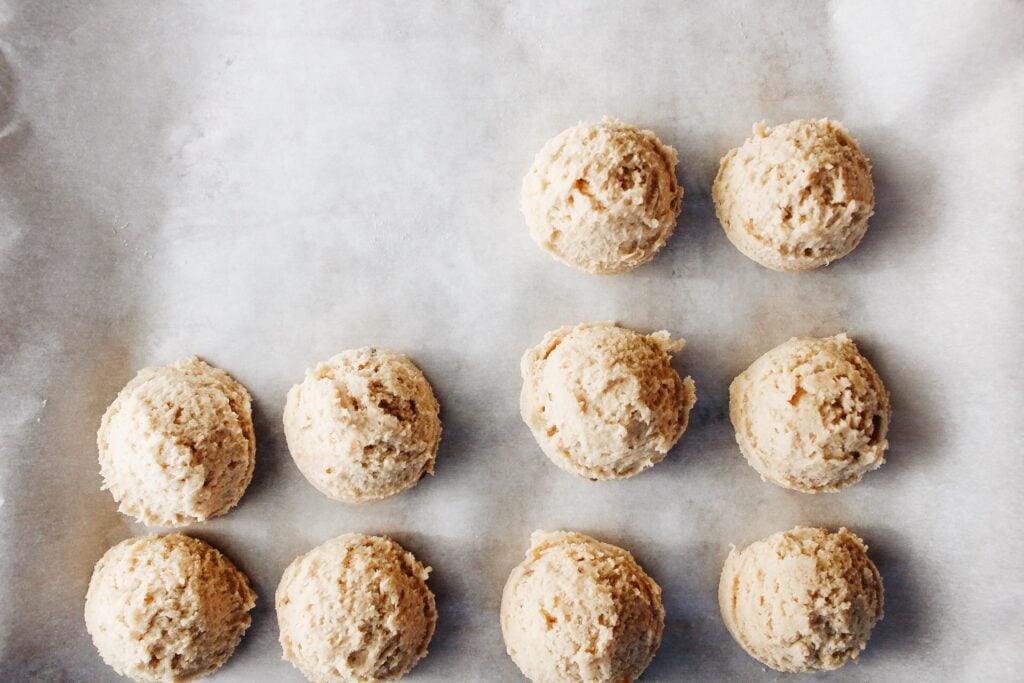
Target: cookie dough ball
<point>363,426</point>
<point>578,609</point>
<point>811,414</point>
<point>356,608</point>
<point>801,600</point>
<point>603,401</point>
<point>166,608</point>
<point>602,198</point>
<point>177,445</point>
<point>796,196</point>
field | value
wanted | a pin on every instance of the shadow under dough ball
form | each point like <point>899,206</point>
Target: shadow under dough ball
<point>363,426</point>
<point>603,401</point>
<point>795,196</point>
<point>811,414</point>
<point>577,609</point>
<point>801,600</point>
<point>177,444</point>
<point>166,608</point>
<point>602,198</point>
<point>356,608</point>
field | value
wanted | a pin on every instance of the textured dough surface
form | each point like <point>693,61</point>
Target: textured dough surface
<point>363,425</point>
<point>177,444</point>
<point>796,196</point>
<point>577,609</point>
<point>602,198</point>
<point>166,608</point>
<point>802,600</point>
<point>356,608</point>
<point>811,414</point>
<point>603,401</point>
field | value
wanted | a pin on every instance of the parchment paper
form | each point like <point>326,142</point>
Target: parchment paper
<point>265,184</point>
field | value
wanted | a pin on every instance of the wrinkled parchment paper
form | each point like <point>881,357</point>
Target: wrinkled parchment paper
<point>265,184</point>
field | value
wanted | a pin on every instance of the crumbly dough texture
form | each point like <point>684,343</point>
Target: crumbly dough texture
<point>363,425</point>
<point>577,609</point>
<point>356,608</point>
<point>166,608</point>
<point>796,196</point>
<point>602,198</point>
<point>802,600</point>
<point>603,401</point>
<point>177,444</point>
<point>811,414</point>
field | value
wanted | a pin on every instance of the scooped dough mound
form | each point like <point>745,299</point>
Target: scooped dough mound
<point>811,414</point>
<point>801,600</point>
<point>177,445</point>
<point>603,401</point>
<point>796,196</point>
<point>577,609</point>
<point>602,198</point>
<point>166,608</point>
<point>356,608</point>
<point>363,426</point>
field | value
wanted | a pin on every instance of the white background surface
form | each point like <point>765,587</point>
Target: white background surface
<point>266,184</point>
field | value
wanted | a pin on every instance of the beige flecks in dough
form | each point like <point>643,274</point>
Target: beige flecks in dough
<point>177,444</point>
<point>602,198</point>
<point>166,608</point>
<point>356,608</point>
<point>363,425</point>
<point>577,610</point>
<point>796,196</point>
<point>811,414</point>
<point>802,600</point>
<point>603,401</point>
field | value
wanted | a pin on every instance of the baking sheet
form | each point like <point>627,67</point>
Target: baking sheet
<point>265,184</point>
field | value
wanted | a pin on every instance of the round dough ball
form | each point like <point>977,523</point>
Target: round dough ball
<point>801,600</point>
<point>811,414</point>
<point>603,401</point>
<point>177,444</point>
<point>166,608</point>
<point>796,196</point>
<point>602,198</point>
<point>356,608</point>
<point>577,609</point>
<point>363,425</point>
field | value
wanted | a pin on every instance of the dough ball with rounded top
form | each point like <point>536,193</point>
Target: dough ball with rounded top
<point>796,196</point>
<point>602,198</point>
<point>177,444</point>
<point>363,426</point>
<point>811,414</point>
<point>802,600</point>
<point>577,609</point>
<point>603,401</point>
<point>166,608</point>
<point>356,608</point>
